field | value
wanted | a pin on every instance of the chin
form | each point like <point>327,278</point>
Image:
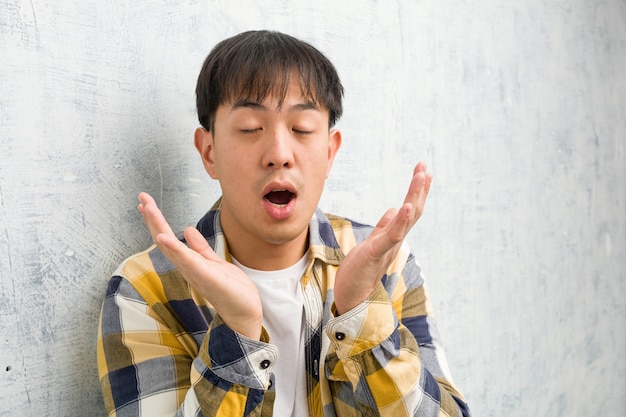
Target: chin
<point>279,237</point>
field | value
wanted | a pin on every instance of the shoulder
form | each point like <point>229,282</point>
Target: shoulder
<point>344,234</point>
<point>337,232</point>
<point>151,275</point>
<point>345,226</point>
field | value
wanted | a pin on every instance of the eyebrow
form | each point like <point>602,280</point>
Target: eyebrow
<point>306,105</point>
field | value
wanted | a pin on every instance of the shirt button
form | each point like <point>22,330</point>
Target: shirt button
<point>265,364</point>
<point>340,336</point>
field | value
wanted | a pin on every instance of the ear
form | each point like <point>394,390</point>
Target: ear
<point>334,143</point>
<point>203,141</point>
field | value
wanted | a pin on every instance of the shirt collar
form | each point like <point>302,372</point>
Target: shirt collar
<point>323,243</point>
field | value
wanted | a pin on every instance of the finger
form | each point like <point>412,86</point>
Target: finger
<point>190,263</point>
<point>153,217</point>
<point>420,167</point>
<point>418,190</point>
<point>401,223</point>
<point>424,196</point>
<point>395,224</point>
<point>169,244</point>
<point>417,184</point>
<point>386,218</point>
<point>198,243</point>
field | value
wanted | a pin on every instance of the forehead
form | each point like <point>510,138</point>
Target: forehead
<point>276,87</point>
<point>271,112</point>
<point>293,99</point>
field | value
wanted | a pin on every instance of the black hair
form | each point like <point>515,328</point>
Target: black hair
<point>255,64</point>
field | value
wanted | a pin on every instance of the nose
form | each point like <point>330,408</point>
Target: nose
<point>278,152</point>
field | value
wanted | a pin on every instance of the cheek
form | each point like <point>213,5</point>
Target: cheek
<point>323,163</point>
<point>319,169</point>
<point>316,155</point>
<point>228,160</point>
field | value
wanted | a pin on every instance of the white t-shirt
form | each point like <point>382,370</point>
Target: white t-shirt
<point>283,317</point>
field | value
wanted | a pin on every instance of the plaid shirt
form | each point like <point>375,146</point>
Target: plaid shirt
<point>162,349</point>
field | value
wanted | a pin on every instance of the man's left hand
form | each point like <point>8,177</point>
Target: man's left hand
<point>361,270</point>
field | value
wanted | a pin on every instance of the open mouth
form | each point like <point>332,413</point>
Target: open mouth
<point>279,197</point>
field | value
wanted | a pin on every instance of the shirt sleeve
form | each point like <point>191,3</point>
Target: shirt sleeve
<point>148,367</point>
<point>388,350</point>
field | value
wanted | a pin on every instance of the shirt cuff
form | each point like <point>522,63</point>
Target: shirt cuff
<point>237,358</point>
<point>364,327</point>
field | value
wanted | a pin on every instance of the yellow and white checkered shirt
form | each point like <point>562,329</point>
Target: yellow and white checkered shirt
<point>162,350</point>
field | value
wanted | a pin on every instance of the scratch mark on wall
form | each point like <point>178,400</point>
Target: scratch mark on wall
<point>35,25</point>
<point>6,231</point>
<point>14,298</point>
<point>161,180</point>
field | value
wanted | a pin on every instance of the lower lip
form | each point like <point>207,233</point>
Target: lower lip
<point>280,212</point>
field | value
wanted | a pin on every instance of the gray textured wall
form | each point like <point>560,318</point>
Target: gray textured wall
<point>517,106</point>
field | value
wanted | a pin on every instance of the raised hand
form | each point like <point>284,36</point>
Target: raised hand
<point>363,267</point>
<point>233,295</point>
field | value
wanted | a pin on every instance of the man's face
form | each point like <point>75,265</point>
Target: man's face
<point>272,163</point>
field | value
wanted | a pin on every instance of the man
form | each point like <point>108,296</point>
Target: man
<point>269,307</point>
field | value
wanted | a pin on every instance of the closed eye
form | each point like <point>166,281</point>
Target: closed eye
<point>302,132</point>
<point>250,131</point>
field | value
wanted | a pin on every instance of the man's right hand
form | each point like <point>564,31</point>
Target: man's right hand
<point>233,295</point>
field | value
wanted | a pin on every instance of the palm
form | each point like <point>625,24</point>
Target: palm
<point>233,295</point>
<point>367,262</point>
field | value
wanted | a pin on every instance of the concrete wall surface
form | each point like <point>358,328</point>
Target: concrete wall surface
<point>518,107</point>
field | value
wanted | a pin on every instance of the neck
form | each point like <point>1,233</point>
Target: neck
<point>268,257</point>
<point>261,254</point>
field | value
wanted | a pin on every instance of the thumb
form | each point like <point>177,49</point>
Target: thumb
<point>199,244</point>
<point>387,217</point>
